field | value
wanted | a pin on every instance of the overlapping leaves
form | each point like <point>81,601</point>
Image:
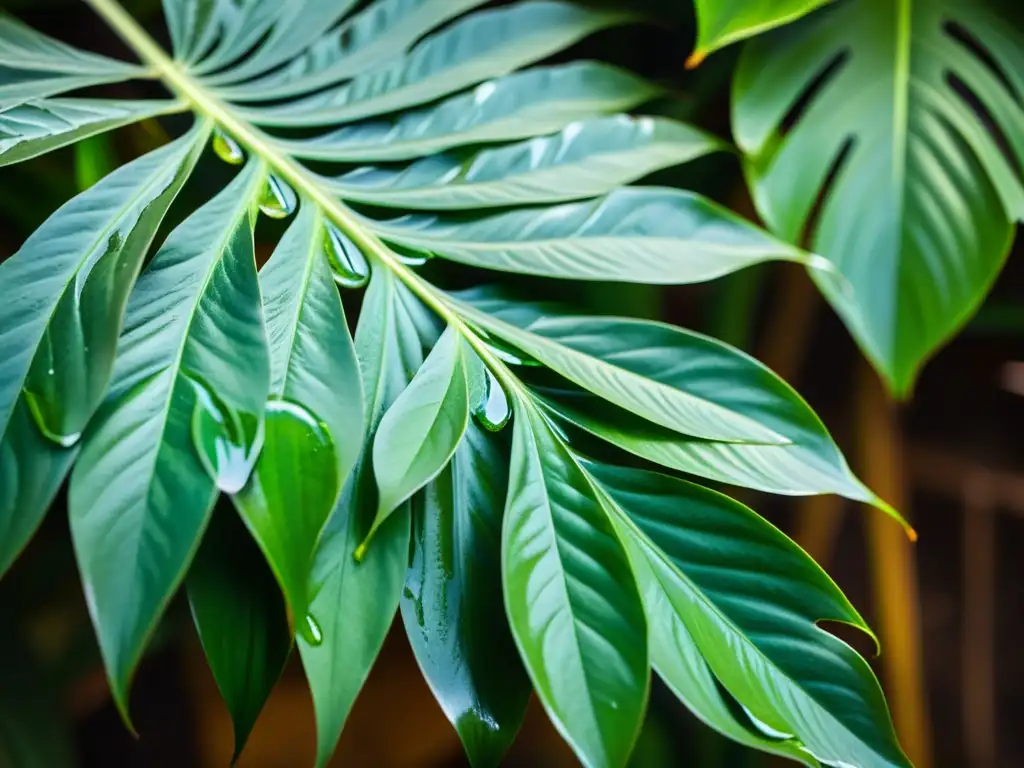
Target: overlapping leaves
<point>341,457</point>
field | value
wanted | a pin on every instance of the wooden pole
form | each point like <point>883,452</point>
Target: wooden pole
<point>893,570</point>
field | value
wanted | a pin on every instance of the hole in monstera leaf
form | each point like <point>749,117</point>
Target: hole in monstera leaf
<point>977,106</point>
<point>961,35</point>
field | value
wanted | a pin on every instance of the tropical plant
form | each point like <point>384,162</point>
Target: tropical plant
<point>368,476</point>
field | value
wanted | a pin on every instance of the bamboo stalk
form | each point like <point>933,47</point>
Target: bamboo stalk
<point>893,571</point>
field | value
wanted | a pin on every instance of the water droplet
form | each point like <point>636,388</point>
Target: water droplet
<point>41,416</point>
<point>226,148</point>
<point>349,265</point>
<point>311,631</point>
<point>228,442</point>
<point>278,200</point>
<point>417,259</point>
<point>493,411</point>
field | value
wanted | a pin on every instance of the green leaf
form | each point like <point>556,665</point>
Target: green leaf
<point>32,469</point>
<point>919,173</point>
<point>810,463</point>
<point>750,599</point>
<point>140,497</point>
<point>312,359</point>
<point>33,65</point>
<point>582,160</point>
<point>62,301</point>
<point>419,433</point>
<point>354,604</point>
<point>571,598</point>
<point>519,105</point>
<point>290,494</point>
<point>477,47</point>
<point>285,28</point>
<point>189,22</point>
<point>241,619</point>
<point>625,362</point>
<point>37,127</point>
<point>452,604</point>
<point>635,234</point>
<point>378,32</point>
<point>723,22</point>
<point>679,662</point>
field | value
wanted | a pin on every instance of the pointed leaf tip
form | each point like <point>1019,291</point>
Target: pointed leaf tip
<point>695,59</point>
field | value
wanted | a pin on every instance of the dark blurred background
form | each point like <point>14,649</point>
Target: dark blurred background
<point>952,460</point>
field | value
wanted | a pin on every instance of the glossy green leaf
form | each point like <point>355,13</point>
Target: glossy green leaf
<point>34,66</point>
<point>32,469</point>
<point>914,138</point>
<point>313,361</point>
<point>63,300</point>
<point>189,21</point>
<point>750,599</point>
<point>140,497</point>
<point>810,463</point>
<point>678,661</point>
<point>354,603</point>
<point>419,433</point>
<point>289,29</point>
<point>627,362</point>
<point>722,22</point>
<point>635,234</point>
<point>475,48</point>
<point>290,494</point>
<point>240,617</point>
<point>571,598</point>
<point>37,127</point>
<point>452,604</point>
<point>519,105</point>
<point>584,159</point>
<point>378,32</point>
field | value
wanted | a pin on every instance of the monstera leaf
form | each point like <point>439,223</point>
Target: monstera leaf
<point>905,119</point>
<point>372,473</point>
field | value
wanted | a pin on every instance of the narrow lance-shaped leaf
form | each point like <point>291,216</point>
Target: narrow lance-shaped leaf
<point>240,616</point>
<point>571,598</point>
<point>354,604</point>
<point>740,588</point>
<point>421,430</point>
<point>810,463</point>
<point>313,360</point>
<point>33,66</point>
<point>634,234</point>
<point>293,26</point>
<point>452,604</point>
<point>63,299</point>
<point>601,355</point>
<point>519,105</point>
<point>477,47</point>
<point>193,354</point>
<point>584,159</point>
<point>912,187</point>
<point>381,30</point>
<point>37,127</point>
<point>314,424</point>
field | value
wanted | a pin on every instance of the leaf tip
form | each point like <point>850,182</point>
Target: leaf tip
<point>360,551</point>
<point>695,59</point>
